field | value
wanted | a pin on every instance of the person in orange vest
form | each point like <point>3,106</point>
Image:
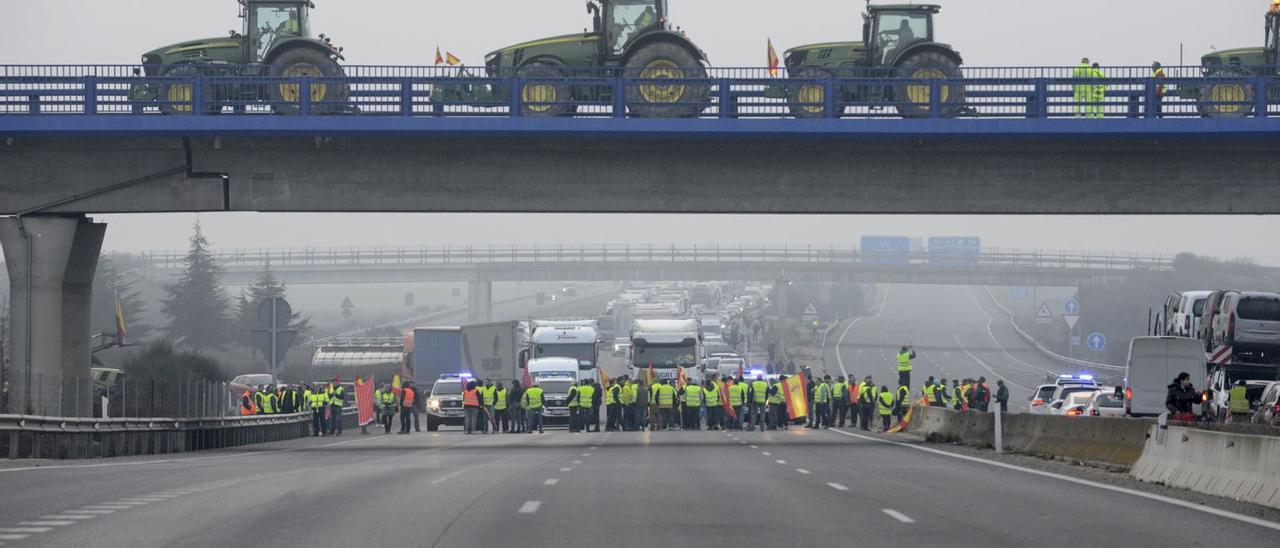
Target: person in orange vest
<point>470,408</point>
<point>407,396</point>
<point>247,405</point>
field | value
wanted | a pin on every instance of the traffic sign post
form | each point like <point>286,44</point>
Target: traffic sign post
<point>1097,342</point>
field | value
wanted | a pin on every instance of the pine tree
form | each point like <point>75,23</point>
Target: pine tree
<point>197,307</point>
<point>114,278</point>
<point>265,286</point>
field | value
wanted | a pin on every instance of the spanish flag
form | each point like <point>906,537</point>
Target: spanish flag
<point>439,57</point>
<point>121,328</point>
<point>452,59</point>
<point>680,382</point>
<point>724,399</point>
<point>797,399</point>
<point>395,384</point>
<point>774,63</point>
<point>652,375</point>
<point>604,378</point>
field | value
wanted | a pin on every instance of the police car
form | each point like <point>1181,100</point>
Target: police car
<point>444,405</point>
<point>1053,393</point>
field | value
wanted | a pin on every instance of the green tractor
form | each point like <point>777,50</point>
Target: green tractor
<point>1235,99</point>
<point>276,41</point>
<point>631,38</point>
<point>897,42</point>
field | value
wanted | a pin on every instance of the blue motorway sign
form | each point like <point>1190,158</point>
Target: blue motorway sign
<point>1097,341</point>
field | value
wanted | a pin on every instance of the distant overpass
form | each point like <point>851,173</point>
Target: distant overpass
<point>667,262</point>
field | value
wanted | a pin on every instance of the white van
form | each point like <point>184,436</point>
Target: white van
<point>1153,364</point>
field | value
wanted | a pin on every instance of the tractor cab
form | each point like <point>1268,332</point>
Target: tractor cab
<point>623,21</point>
<point>890,31</point>
<point>269,24</point>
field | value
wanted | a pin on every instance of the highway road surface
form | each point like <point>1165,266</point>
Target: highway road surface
<point>957,331</point>
<point>793,488</point>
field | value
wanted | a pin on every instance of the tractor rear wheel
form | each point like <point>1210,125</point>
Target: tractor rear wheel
<point>544,98</point>
<point>809,99</point>
<point>1226,99</point>
<point>175,98</point>
<point>665,60</point>
<point>327,95</point>
<point>914,99</point>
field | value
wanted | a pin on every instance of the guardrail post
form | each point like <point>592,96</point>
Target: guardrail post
<point>406,97</point>
<point>33,104</point>
<point>829,97</point>
<point>1260,97</point>
<point>727,108</point>
<point>1041,101</point>
<point>90,95</point>
<point>1153,99</point>
<point>620,96</point>
<point>304,96</point>
<point>514,100</point>
<point>197,96</point>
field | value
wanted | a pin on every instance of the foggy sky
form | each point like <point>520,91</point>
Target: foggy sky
<point>733,32</point>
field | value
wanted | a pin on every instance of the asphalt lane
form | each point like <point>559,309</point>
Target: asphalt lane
<point>799,488</point>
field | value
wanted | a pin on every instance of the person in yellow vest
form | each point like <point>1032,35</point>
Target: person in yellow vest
<point>532,402</point>
<point>665,397</point>
<point>904,401</point>
<point>627,404</point>
<point>868,399</point>
<point>385,400</point>
<point>930,392</point>
<point>502,417</point>
<point>905,356</point>
<point>822,403</point>
<point>693,398</point>
<point>1098,91</point>
<point>337,401</point>
<point>258,394</point>
<point>715,404</point>
<point>575,417</point>
<point>885,404</point>
<point>613,406</point>
<point>957,397</point>
<point>738,400</point>
<point>1158,74</point>
<point>1238,402</point>
<point>839,401</point>
<point>779,418</point>
<point>759,395</point>
<point>1082,92</point>
<point>586,406</point>
<point>269,401</point>
<point>940,390</point>
<point>488,395</point>
<point>319,402</point>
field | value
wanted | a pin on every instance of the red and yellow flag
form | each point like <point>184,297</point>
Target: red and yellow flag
<point>797,399</point>
<point>679,378</point>
<point>774,63</point>
<point>604,378</point>
<point>364,400</point>
<point>395,384</point>
<point>652,375</point>
<point>452,59</point>
<point>724,400</point>
<point>121,328</point>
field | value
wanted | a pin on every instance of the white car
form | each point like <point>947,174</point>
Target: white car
<point>1105,404</point>
<point>621,346</point>
<point>1047,394</point>
<point>1073,403</point>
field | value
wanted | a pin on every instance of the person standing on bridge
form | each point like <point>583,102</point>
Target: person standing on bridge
<point>905,356</point>
<point>247,406</point>
<point>1158,74</point>
<point>885,404</point>
<point>488,395</point>
<point>738,401</point>
<point>840,400</point>
<point>942,392</point>
<point>714,401</point>
<point>1238,402</point>
<point>318,402</point>
<point>693,397</point>
<point>1098,92</point>
<point>930,392</point>
<point>1082,92</point>
<point>531,401</point>
<point>1002,396</point>
<point>822,403</point>
<point>867,401</point>
<point>613,406</point>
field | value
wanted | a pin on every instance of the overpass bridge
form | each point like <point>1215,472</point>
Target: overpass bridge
<point>80,139</point>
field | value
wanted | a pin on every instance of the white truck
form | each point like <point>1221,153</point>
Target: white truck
<point>551,340</point>
<point>667,345</point>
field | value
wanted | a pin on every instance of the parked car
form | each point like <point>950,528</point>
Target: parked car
<point>1223,377</point>
<point>1213,303</point>
<point>621,346</point>
<point>1268,409</point>
<point>1074,401</point>
<point>1249,322</point>
<point>1105,404</point>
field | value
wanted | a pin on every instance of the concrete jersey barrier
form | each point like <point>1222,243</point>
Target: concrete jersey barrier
<point>1243,467</point>
<point>1097,439</point>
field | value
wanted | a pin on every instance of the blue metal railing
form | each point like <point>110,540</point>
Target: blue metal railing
<point>975,92</point>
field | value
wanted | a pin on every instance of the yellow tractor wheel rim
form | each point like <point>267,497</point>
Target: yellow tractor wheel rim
<point>662,93</point>
<point>180,97</point>
<point>537,96</point>
<point>1224,94</point>
<point>922,94</point>
<point>812,98</point>
<point>290,92</point>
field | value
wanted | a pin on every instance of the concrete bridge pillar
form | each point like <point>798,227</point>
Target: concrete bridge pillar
<point>51,262</point>
<point>480,302</point>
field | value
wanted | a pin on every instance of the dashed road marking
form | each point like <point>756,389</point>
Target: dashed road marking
<point>898,515</point>
<point>46,523</point>
<point>551,481</point>
<point>68,516</point>
<point>837,487</point>
<point>755,446</point>
<point>25,530</point>
<point>566,469</point>
<point>802,471</point>
<point>766,453</point>
<point>530,507</point>
<point>576,462</point>
<point>12,537</point>
<point>586,454</point>
<point>780,461</point>
<point>108,507</point>
<point>99,512</point>
<point>594,447</point>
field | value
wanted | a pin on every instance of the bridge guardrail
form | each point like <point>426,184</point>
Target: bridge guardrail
<point>30,436</point>
<point>464,255</point>
<point>727,93</point>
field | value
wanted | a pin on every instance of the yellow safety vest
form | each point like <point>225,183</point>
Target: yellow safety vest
<point>666,395</point>
<point>268,403</point>
<point>776,397</point>
<point>1237,401</point>
<point>930,393</point>
<point>885,403</point>
<point>760,391</point>
<point>712,396</point>
<point>822,394</point>
<point>693,396</point>
<point>737,394</point>
<point>487,394</point>
<point>573,397</point>
<point>500,404</point>
<point>613,394</point>
<point>837,390</point>
<point>533,398</point>
<point>904,395</point>
<point>585,395</point>
<point>904,362</point>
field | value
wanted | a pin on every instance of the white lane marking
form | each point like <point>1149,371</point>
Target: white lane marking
<point>67,516</point>
<point>837,487</point>
<point>780,461</point>
<point>13,537</point>
<point>586,454</point>
<point>530,507</point>
<point>26,530</point>
<point>576,462</point>
<point>884,300</point>
<point>755,446</point>
<point>551,481</point>
<point>566,469</point>
<point>897,515</point>
<point>46,523</point>
<point>1077,481</point>
<point>802,471</point>
<point>593,448</point>
<point>108,507</point>
<point>89,512</point>
<point>766,453</point>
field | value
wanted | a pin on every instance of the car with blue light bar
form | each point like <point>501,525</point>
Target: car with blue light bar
<point>1045,395</point>
<point>444,405</point>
